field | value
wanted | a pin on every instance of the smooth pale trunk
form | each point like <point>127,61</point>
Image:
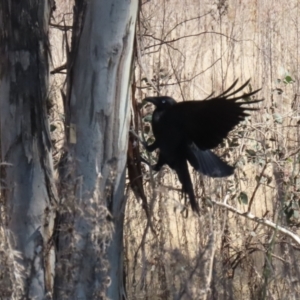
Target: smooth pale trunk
<point>99,123</point>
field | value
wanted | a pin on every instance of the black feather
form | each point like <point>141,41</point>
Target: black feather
<point>186,131</point>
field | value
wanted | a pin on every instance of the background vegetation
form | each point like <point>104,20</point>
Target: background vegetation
<point>245,244</point>
<point>187,49</point>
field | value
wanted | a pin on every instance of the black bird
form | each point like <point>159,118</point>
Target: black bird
<point>185,131</point>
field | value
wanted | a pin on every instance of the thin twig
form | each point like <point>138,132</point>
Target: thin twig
<point>263,221</point>
<point>257,186</point>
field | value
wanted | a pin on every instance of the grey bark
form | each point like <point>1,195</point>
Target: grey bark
<point>97,145</point>
<point>27,183</point>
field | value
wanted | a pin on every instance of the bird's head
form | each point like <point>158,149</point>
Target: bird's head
<point>161,102</point>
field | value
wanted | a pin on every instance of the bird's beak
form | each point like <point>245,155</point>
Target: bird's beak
<point>152,100</point>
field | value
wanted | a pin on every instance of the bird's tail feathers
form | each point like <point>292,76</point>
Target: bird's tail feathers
<point>187,186</point>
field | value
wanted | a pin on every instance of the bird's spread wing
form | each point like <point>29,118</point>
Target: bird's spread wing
<point>207,123</point>
<point>208,163</point>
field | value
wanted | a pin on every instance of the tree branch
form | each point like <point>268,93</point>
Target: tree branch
<point>263,221</point>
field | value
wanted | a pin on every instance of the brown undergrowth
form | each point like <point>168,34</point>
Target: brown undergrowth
<point>247,246</point>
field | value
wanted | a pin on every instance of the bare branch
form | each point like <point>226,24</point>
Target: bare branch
<point>263,221</point>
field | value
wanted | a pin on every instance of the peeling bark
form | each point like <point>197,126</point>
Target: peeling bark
<point>27,184</point>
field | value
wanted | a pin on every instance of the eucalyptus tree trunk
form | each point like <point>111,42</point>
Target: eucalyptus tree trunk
<point>93,174</point>
<point>26,170</point>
